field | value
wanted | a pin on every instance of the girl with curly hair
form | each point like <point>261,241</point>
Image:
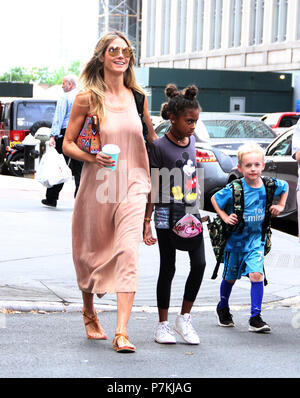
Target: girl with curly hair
<point>175,152</point>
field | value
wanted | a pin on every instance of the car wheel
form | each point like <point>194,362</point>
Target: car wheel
<point>16,164</point>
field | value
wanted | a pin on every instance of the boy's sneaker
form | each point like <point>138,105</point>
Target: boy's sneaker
<point>183,326</point>
<point>224,317</point>
<point>163,334</point>
<point>256,324</point>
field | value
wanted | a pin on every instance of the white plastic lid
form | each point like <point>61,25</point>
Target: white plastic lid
<point>111,148</point>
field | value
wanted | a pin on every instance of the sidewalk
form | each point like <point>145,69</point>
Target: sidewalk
<point>42,333</point>
<point>37,273</point>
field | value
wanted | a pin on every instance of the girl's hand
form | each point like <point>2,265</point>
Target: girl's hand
<point>103,160</point>
<point>275,210</point>
<point>149,240</point>
<point>232,219</point>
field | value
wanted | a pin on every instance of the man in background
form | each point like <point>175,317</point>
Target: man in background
<point>59,125</point>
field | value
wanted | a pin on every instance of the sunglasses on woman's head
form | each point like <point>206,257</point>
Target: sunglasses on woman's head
<point>116,51</point>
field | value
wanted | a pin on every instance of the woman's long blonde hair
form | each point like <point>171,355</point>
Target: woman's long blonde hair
<point>92,76</point>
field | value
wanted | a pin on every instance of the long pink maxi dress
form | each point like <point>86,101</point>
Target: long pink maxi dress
<point>109,209</point>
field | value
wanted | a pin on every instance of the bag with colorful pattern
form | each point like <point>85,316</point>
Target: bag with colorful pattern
<point>89,136</point>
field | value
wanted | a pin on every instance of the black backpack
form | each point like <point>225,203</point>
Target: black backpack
<point>219,232</point>
<point>139,101</point>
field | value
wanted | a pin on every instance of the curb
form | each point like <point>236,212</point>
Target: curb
<point>49,307</point>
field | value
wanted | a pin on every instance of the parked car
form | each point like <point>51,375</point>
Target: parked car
<point>280,121</point>
<point>218,137</point>
<point>156,120</point>
<point>19,117</point>
<point>280,164</point>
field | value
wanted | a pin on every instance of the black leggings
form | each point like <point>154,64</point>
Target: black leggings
<point>167,270</point>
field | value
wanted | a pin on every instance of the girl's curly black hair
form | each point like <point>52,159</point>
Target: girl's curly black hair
<point>179,101</point>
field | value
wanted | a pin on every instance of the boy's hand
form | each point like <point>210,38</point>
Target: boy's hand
<point>275,210</point>
<point>149,240</point>
<point>232,219</point>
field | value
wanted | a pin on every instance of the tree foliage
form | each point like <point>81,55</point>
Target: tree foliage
<point>41,75</point>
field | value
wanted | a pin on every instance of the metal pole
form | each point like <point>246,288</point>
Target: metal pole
<point>106,15</point>
<point>126,22</point>
<point>137,33</point>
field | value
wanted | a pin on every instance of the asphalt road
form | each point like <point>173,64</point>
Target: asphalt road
<point>54,345</point>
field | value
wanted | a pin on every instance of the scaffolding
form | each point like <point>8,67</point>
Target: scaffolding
<point>124,16</point>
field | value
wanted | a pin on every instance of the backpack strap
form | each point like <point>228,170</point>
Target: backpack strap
<point>269,183</point>
<point>238,209</point>
<point>139,101</point>
<point>238,202</point>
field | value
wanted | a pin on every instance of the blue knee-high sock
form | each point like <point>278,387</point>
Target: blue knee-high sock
<point>257,292</point>
<point>225,291</point>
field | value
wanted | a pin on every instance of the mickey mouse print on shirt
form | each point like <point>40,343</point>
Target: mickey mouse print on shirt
<point>189,180</point>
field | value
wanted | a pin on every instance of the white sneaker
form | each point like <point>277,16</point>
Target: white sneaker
<point>163,334</point>
<point>183,326</point>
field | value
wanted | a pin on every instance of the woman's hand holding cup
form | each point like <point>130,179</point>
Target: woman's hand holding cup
<point>108,157</point>
<point>104,160</point>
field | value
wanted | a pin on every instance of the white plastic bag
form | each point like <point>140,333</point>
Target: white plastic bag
<point>53,169</point>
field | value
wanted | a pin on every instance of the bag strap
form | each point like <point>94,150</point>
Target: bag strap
<point>140,101</point>
<point>238,203</point>
<point>269,183</point>
<point>238,209</point>
<point>96,126</point>
<point>270,187</point>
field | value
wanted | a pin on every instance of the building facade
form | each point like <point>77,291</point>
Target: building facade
<point>124,16</point>
<point>241,35</point>
<point>249,35</point>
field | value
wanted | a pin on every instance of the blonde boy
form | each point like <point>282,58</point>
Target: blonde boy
<point>244,250</point>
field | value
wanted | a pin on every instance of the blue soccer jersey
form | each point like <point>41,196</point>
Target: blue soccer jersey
<point>254,214</point>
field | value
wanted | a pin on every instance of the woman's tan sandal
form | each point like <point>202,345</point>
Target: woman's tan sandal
<point>89,319</point>
<point>122,344</point>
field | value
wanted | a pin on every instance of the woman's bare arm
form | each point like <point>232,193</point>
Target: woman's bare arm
<point>79,112</point>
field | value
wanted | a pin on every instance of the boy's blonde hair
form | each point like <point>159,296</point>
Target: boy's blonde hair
<point>250,147</point>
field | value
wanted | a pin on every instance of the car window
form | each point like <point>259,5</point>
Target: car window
<point>270,119</point>
<point>216,129</point>
<point>238,129</point>
<point>162,129</point>
<point>1,113</point>
<point>31,112</point>
<point>201,132</point>
<point>6,118</point>
<point>283,148</point>
<point>288,121</point>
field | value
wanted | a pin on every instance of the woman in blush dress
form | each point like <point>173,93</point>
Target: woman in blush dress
<point>106,230</point>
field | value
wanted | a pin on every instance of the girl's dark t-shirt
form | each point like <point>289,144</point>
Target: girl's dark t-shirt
<point>176,167</point>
